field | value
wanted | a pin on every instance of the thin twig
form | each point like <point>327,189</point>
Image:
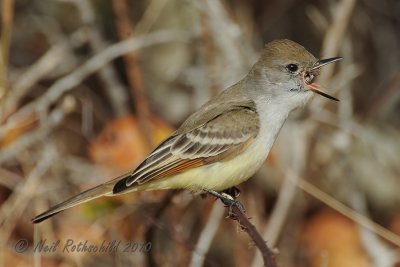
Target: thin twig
<point>335,34</point>
<point>348,212</point>
<point>230,43</point>
<point>208,54</point>
<point>44,67</point>
<point>135,77</point>
<point>52,120</point>
<point>207,235</point>
<point>89,67</point>
<point>7,20</point>
<point>9,179</point>
<point>150,16</point>
<point>151,231</point>
<point>230,40</point>
<point>332,42</point>
<point>17,203</point>
<point>113,87</point>
<point>381,254</point>
<point>251,230</point>
<point>278,215</point>
<point>287,193</point>
<point>33,74</point>
<point>385,99</point>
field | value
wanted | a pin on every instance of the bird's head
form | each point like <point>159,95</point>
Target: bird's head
<point>287,71</point>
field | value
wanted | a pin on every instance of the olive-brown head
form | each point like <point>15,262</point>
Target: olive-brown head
<point>288,69</point>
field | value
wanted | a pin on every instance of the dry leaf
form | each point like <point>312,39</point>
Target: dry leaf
<point>333,241</point>
<point>121,145</point>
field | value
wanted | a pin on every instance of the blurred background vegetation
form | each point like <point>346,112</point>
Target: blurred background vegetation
<point>87,88</point>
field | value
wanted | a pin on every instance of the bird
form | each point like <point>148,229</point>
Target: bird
<point>227,139</point>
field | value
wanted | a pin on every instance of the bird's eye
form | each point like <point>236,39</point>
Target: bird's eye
<point>292,68</point>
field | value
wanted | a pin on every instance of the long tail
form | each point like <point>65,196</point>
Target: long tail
<point>105,189</point>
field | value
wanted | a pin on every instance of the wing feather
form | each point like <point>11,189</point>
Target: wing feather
<point>219,138</point>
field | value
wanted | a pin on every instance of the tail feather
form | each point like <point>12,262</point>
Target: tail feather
<point>95,192</point>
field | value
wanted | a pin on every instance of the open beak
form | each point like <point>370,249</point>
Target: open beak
<point>320,63</point>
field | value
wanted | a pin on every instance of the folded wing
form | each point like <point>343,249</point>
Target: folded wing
<point>220,138</point>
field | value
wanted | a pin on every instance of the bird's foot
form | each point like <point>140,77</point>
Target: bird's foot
<point>234,192</point>
<point>229,200</point>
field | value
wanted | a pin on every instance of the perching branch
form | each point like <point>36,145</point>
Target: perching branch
<point>235,213</point>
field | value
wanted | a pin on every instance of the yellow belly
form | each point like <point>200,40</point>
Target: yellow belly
<point>216,176</point>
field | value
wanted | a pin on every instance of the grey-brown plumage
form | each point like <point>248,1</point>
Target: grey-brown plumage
<point>229,137</point>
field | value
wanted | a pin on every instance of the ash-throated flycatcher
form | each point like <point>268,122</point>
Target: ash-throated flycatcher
<point>228,138</point>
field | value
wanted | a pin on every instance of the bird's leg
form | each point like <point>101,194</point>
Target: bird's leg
<point>227,199</point>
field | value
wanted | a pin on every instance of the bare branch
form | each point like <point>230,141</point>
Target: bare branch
<point>43,66</point>
<point>113,87</point>
<point>67,83</point>
<point>133,70</point>
<point>7,21</point>
<point>288,189</point>
<point>16,204</point>
<point>51,121</point>
<point>348,212</point>
<point>379,251</point>
<point>251,230</point>
<point>207,235</point>
<point>335,34</point>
